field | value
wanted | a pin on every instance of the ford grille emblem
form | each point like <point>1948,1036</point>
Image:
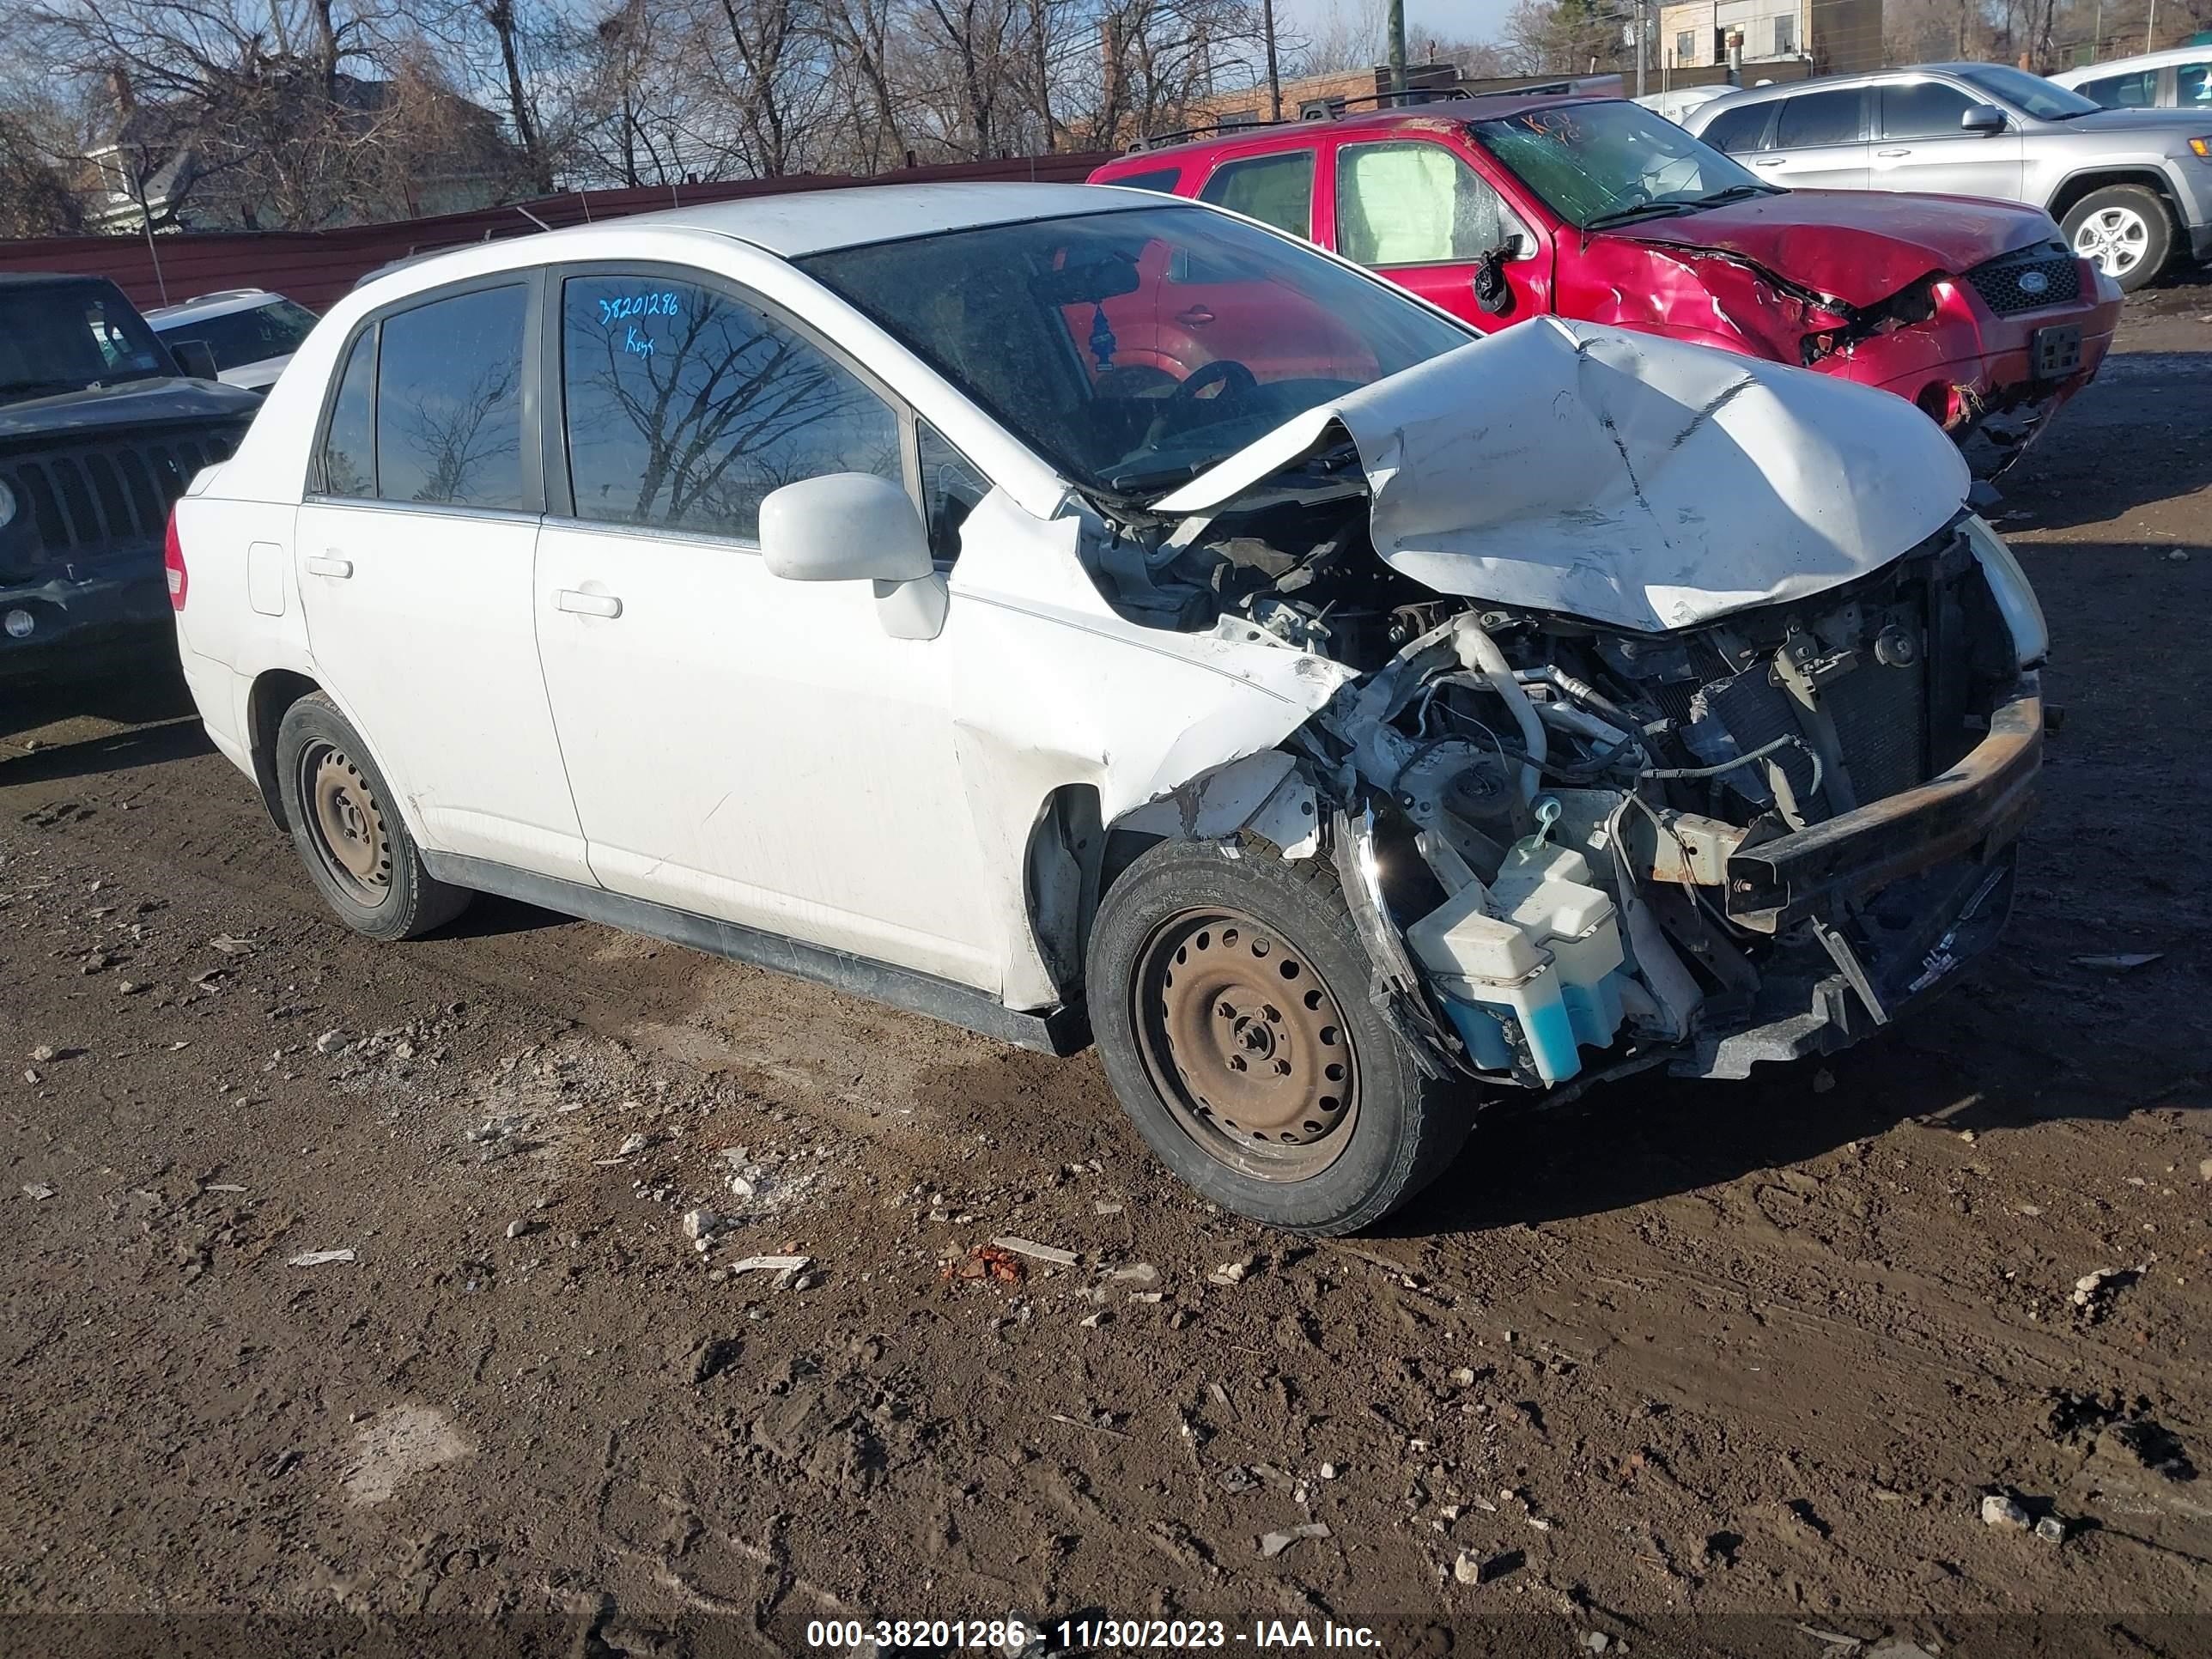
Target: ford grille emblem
<point>2034,281</point>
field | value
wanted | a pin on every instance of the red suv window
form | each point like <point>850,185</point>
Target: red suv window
<point>1276,190</point>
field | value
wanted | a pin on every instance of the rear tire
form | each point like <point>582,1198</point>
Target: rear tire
<point>2125,230</point>
<point>1228,993</point>
<point>356,849</point>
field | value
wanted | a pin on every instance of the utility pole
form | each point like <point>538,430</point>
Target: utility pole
<point>1397,52</point>
<point>2149,28</point>
<point>1643,33</point>
<point>1274,76</point>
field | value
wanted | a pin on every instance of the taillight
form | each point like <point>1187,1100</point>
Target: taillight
<point>172,560</point>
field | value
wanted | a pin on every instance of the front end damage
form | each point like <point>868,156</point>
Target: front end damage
<point>1612,789</point>
<point>1991,351</point>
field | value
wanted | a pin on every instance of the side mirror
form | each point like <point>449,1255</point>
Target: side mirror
<point>1982,119</point>
<point>1492,291</point>
<point>856,526</point>
<point>195,357</point>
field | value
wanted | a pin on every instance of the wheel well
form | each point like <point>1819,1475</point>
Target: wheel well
<point>273,693</point>
<point>2081,185</point>
<point>1059,880</point>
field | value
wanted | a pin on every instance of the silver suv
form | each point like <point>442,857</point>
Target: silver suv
<point>2131,187</point>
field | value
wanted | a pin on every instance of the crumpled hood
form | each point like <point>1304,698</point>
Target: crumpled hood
<point>126,403</point>
<point>1856,246</point>
<point>1623,478</point>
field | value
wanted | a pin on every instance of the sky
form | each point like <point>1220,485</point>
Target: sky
<point>1463,20</point>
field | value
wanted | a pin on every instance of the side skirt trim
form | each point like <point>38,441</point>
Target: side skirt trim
<point>1061,1030</point>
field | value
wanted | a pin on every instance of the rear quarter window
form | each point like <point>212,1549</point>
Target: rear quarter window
<point>1163,179</point>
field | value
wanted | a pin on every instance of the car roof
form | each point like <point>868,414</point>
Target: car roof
<point>2142,60</point>
<point>1431,117</point>
<point>801,223</point>
<point>212,305</point>
<point>1824,82</point>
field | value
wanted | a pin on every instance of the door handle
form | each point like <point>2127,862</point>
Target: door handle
<point>330,565</point>
<point>1195,316</point>
<point>1769,162</point>
<point>587,605</point>
<point>1892,152</point>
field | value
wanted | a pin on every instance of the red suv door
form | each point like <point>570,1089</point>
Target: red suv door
<point>1426,214</point>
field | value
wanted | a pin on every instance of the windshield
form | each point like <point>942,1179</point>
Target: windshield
<point>2031,94</point>
<point>1135,349</point>
<point>70,336</point>
<point>1610,162</point>
<point>245,336</point>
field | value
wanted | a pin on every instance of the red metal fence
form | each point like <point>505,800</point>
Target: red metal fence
<point>315,267</point>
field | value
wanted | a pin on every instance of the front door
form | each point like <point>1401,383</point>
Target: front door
<point>1919,145</point>
<point>415,555</point>
<point>740,745</point>
<point>1422,216</point>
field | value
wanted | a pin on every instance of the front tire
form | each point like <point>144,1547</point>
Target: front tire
<point>357,851</point>
<point>1228,993</point>
<point>2125,230</point>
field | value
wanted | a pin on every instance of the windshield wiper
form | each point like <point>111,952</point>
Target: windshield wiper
<point>1641,210</point>
<point>1737,193</point>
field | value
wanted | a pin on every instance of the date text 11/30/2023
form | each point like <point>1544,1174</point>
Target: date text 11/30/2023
<point>1096,1634</point>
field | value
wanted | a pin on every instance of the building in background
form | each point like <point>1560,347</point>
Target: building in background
<point>1777,40</point>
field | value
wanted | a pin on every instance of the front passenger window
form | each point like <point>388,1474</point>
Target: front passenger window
<point>686,407</point>
<point>1413,204</point>
<point>1922,109</point>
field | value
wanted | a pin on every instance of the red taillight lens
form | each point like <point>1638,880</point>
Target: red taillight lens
<point>172,560</point>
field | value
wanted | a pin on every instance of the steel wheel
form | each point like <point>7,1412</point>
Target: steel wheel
<point>1241,1037</point>
<point>345,826</point>
<point>2115,238</point>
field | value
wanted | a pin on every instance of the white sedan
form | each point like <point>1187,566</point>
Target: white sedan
<point>1078,614</point>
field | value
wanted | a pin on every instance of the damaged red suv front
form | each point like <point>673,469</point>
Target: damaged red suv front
<point>1503,208</point>
<point>1976,311</point>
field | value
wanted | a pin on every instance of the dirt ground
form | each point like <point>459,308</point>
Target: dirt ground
<point>1717,1367</point>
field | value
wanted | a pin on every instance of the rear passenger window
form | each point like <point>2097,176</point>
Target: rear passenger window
<point>1276,190</point>
<point>686,407</point>
<point>1922,109</point>
<point>1818,118</point>
<point>349,444</point>
<point>449,401</point>
<point>1738,130</point>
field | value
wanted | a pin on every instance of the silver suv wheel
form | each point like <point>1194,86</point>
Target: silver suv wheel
<point>2117,237</point>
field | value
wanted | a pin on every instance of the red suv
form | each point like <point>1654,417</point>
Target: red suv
<point>1509,206</point>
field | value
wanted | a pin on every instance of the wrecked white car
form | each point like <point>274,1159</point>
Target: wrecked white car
<point>1064,611</point>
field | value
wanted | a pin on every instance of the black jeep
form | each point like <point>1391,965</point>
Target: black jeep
<point>100,429</point>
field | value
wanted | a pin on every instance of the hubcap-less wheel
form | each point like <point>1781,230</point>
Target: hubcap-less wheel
<point>1241,1038</point>
<point>345,825</point>
<point>2116,238</point>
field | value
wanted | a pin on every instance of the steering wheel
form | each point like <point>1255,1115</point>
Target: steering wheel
<point>1231,376</point>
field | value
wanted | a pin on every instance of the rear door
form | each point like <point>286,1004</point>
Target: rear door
<point>1422,214</point>
<point>1919,145</point>
<point>1819,142</point>
<point>414,553</point>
